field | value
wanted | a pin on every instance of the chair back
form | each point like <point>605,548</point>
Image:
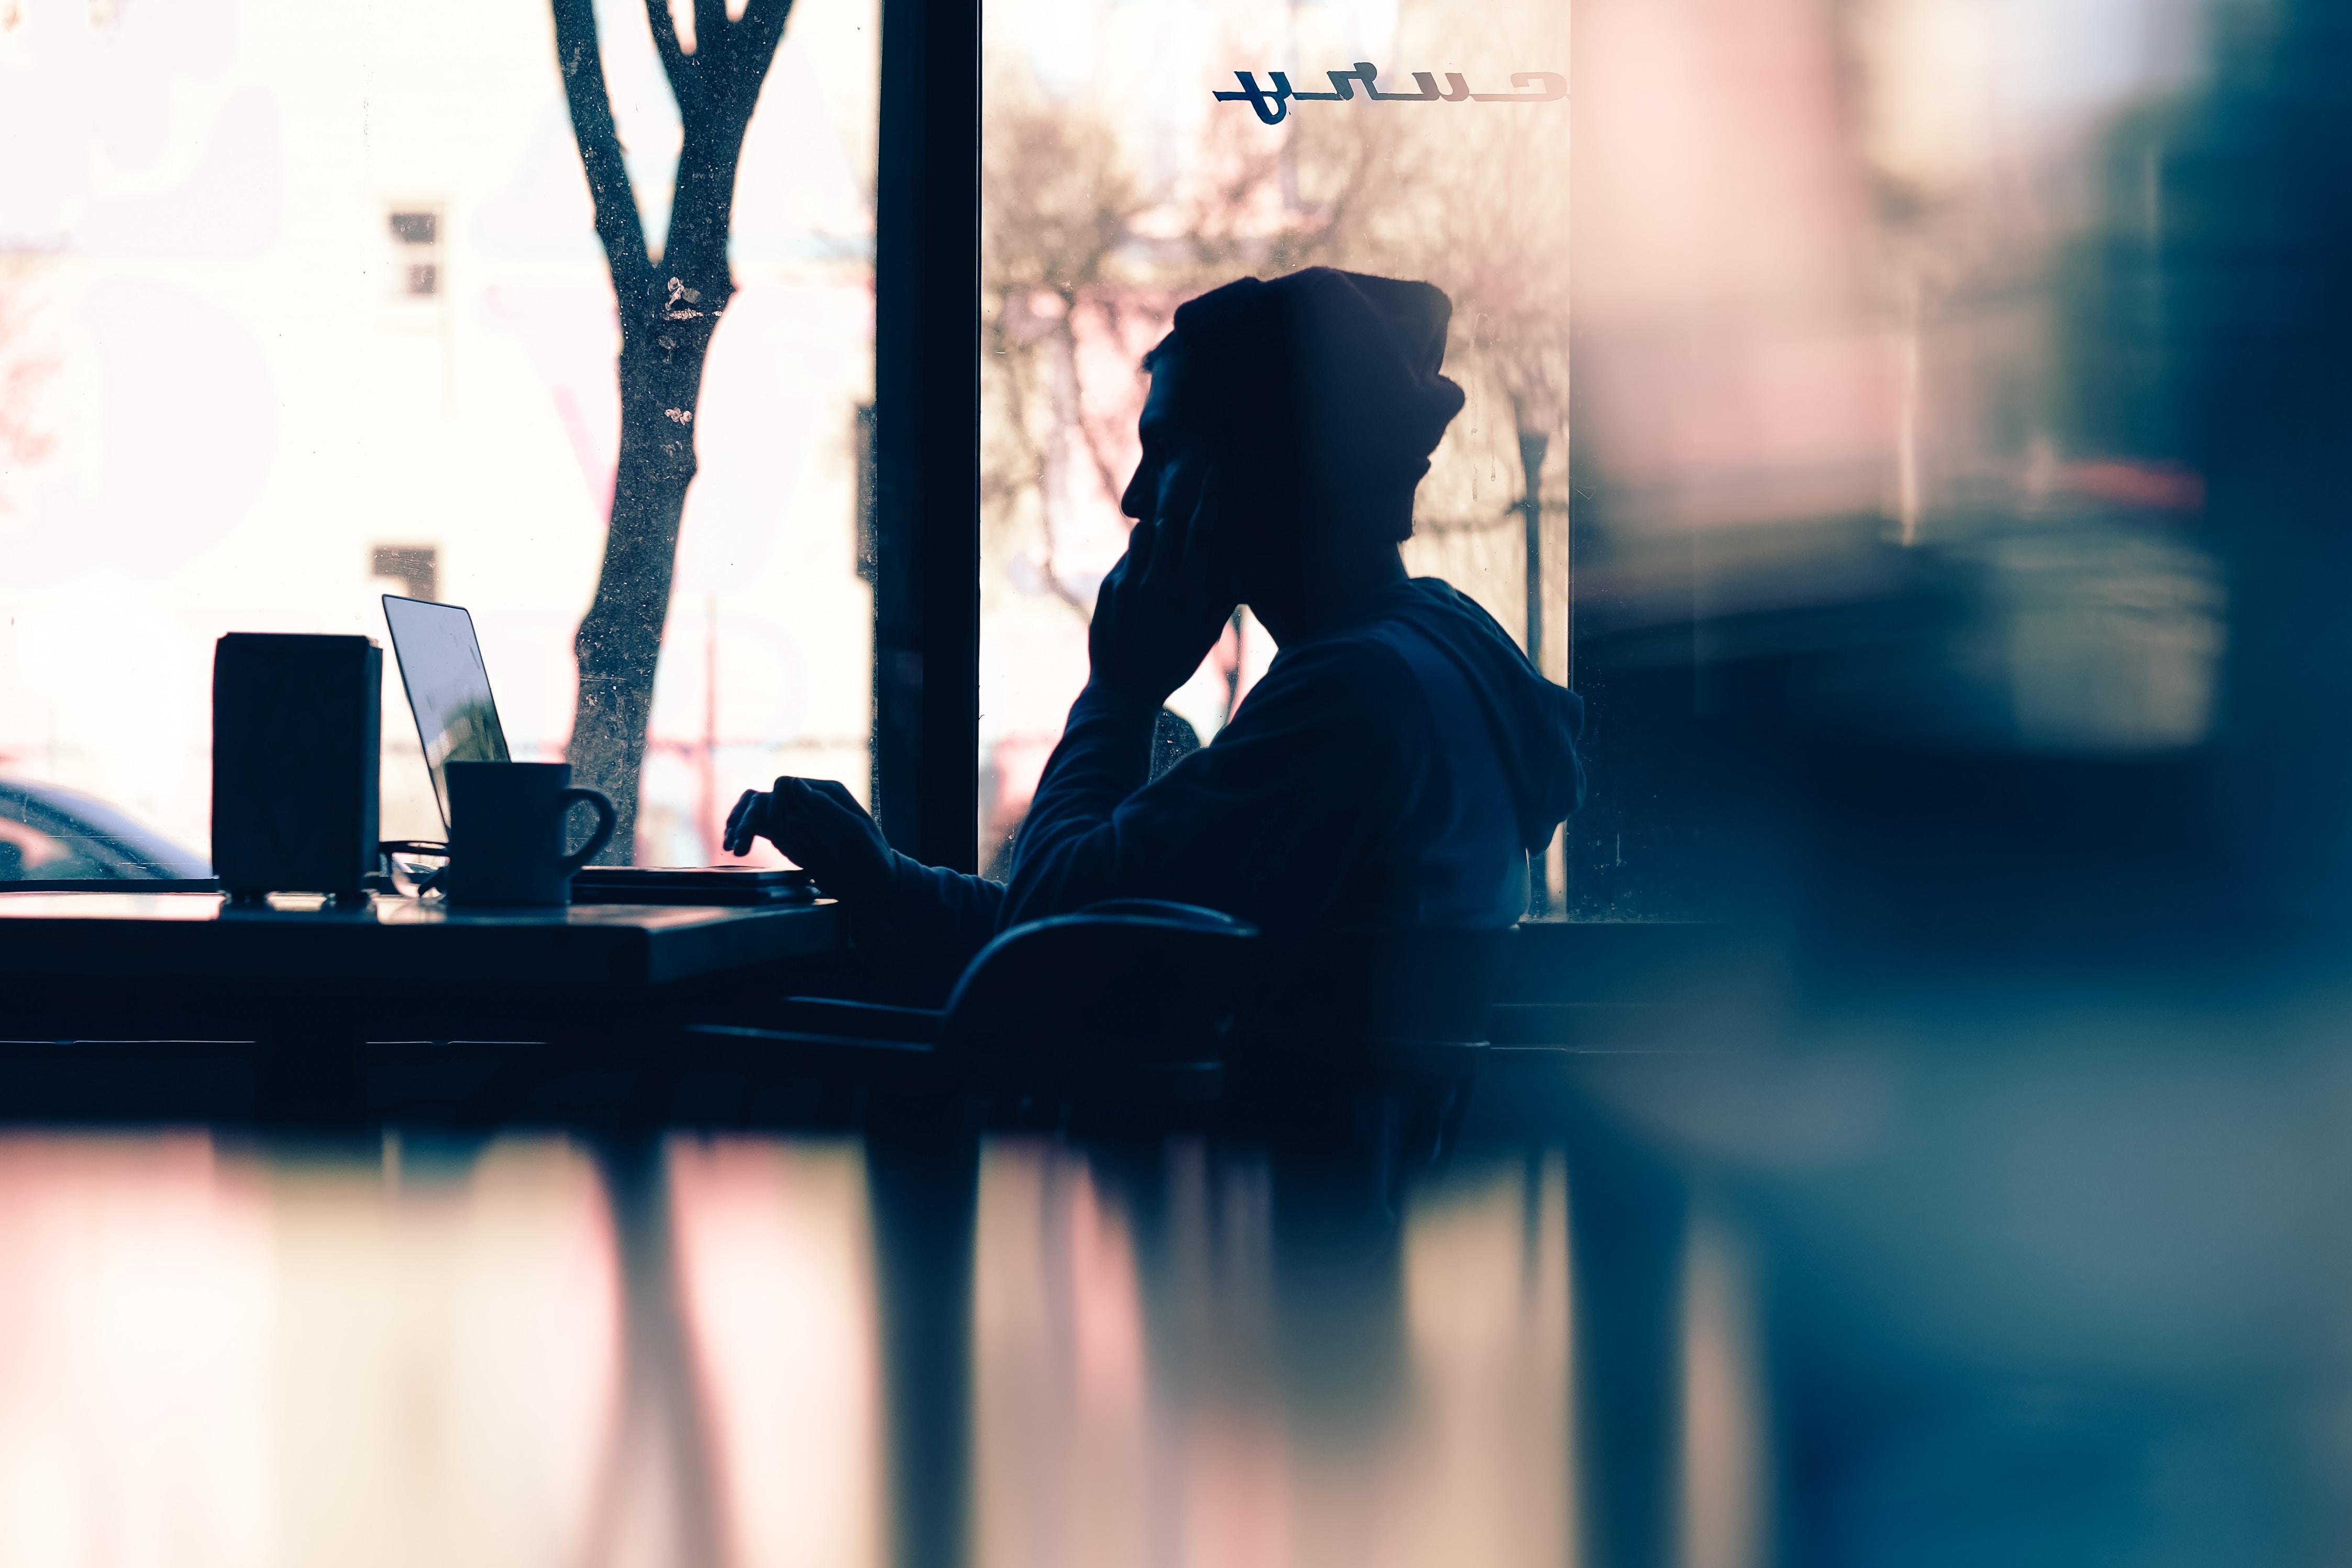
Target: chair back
<point>1132,980</point>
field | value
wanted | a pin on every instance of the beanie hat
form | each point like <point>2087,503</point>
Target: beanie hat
<point>1331,375</point>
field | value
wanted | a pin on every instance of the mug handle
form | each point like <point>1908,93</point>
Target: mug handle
<point>607,820</point>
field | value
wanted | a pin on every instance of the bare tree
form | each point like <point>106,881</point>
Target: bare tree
<point>1056,203</point>
<point>1494,236</point>
<point>669,307</point>
<point>1060,251</point>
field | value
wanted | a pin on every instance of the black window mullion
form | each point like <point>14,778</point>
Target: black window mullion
<point>926,432</point>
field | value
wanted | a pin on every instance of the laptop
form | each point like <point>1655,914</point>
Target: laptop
<point>449,689</point>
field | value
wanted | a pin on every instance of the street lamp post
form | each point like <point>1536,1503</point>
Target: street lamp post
<point>1535,418</point>
<point>1533,443</point>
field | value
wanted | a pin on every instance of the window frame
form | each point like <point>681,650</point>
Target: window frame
<point>926,784</point>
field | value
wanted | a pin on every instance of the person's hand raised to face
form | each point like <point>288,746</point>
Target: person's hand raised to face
<point>1164,606</point>
<point>819,826</point>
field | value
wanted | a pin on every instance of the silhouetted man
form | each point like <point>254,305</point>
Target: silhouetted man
<point>1401,758</point>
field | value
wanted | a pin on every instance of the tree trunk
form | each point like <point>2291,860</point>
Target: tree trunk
<point>619,642</point>
<point>669,308</point>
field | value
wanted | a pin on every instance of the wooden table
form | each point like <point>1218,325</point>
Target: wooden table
<point>311,985</point>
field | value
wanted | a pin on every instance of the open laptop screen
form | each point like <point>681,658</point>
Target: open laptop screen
<point>449,687</point>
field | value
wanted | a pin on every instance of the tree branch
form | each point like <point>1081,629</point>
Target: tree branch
<point>751,46</point>
<point>683,69</point>
<point>710,39</point>
<point>583,68</point>
<point>1066,332</point>
<point>731,60</point>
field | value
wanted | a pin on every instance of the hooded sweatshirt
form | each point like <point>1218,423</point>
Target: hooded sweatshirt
<point>1395,774</point>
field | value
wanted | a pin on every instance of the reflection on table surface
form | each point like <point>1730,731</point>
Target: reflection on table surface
<point>1977,1284</point>
<point>537,1351</point>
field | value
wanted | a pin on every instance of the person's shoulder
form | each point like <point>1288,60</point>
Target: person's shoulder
<point>1349,682</point>
<point>1379,648</point>
<point>1353,662</point>
<point>1344,680</point>
<point>1437,591</point>
<point>1437,607</point>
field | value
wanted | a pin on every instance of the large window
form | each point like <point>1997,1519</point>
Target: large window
<point>301,304</point>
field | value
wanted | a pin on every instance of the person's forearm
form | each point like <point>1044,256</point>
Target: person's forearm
<point>942,911</point>
<point>932,919</point>
<point>1067,849</point>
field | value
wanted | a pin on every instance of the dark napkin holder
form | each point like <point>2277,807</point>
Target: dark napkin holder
<point>296,732</point>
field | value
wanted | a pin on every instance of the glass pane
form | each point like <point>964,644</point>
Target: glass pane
<point>1115,186</point>
<point>301,305</point>
<point>1888,326</point>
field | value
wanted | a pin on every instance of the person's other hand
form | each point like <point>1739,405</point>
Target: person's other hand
<point>820,827</point>
<point>1166,603</point>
